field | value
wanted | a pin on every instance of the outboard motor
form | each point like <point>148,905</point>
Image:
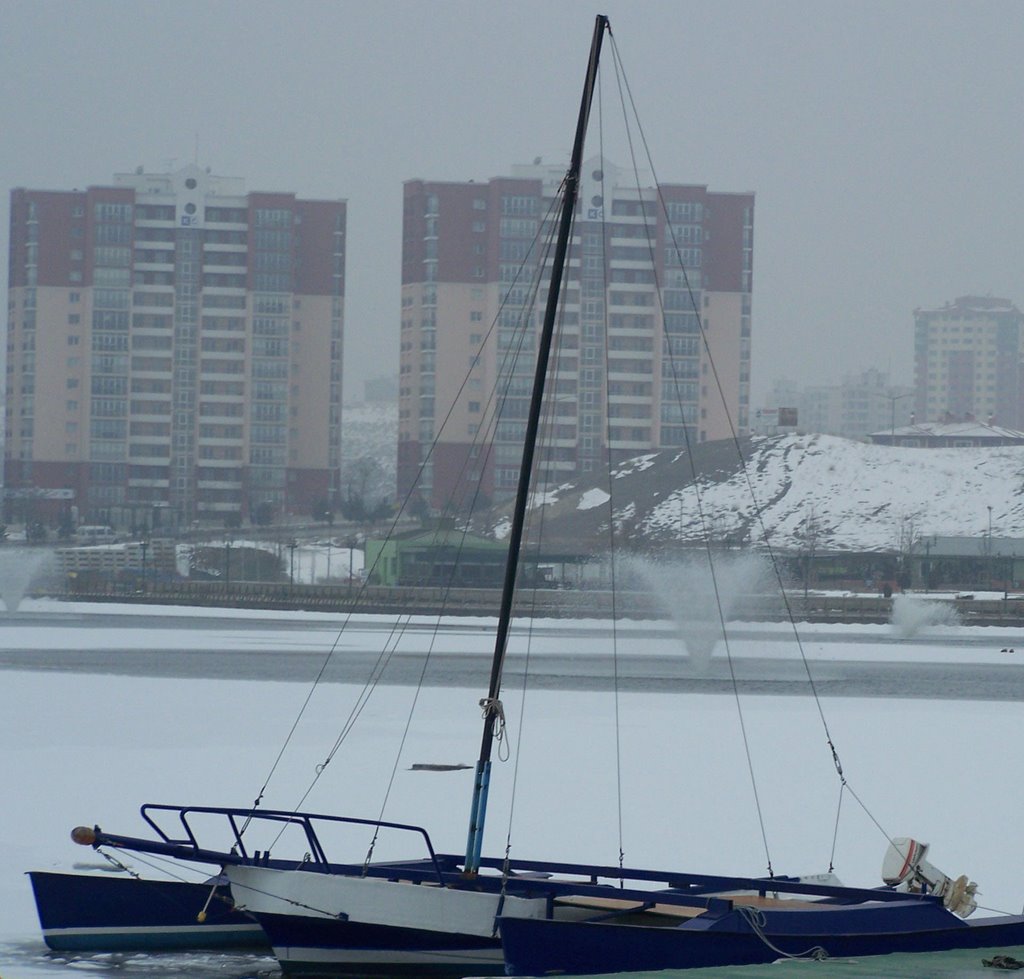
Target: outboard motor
<point>906,869</point>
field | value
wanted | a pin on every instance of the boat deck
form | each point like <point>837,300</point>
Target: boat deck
<point>669,915</point>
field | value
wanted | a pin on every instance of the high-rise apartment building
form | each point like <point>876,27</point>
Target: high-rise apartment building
<point>967,361</point>
<point>174,348</point>
<point>632,372</point>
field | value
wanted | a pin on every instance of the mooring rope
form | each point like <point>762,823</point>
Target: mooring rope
<point>756,919</point>
<point>489,706</point>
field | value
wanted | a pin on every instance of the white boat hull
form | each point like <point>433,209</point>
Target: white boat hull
<point>375,901</point>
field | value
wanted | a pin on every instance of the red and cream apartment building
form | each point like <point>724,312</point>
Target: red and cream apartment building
<point>174,349</point>
<point>632,372</point>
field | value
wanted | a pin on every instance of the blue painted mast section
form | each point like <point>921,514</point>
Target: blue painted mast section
<point>481,783</point>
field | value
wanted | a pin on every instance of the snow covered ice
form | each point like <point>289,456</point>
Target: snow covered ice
<point>83,748</point>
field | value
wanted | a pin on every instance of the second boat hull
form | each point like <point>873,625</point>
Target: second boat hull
<point>107,913</point>
<point>539,947</point>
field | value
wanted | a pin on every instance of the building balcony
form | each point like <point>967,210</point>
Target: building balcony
<point>627,376</point>
<point>630,399</point>
<point>635,445</point>
<point>148,483</point>
<point>221,290</point>
<point>167,266</point>
<point>212,484</point>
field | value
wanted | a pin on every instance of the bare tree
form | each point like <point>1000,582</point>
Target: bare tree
<point>808,537</point>
<point>908,543</point>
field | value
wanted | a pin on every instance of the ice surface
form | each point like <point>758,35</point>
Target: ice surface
<point>79,749</point>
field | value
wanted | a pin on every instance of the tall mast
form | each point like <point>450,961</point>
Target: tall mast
<point>481,783</point>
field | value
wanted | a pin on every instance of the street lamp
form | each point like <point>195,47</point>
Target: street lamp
<point>926,568</point>
<point>144,544</point>
<point>227,564</point>
<point>893,398</point>
<point>352,541</point>
<point>292,544</point>
<point>988,549</point>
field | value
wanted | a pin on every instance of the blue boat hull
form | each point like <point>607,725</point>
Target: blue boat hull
<point>90,912</point>
<point>539,947</point>
<point>306,946</point>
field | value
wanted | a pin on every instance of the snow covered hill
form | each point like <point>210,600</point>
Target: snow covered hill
<point>855,496</point>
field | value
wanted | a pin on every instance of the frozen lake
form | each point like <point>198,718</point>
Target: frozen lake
<point>104,709</point>
<point>947,662</point>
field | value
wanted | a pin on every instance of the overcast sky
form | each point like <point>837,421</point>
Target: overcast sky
<point>883,139</point>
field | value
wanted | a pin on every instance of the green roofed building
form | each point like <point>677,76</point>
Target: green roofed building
<point>437,557</point>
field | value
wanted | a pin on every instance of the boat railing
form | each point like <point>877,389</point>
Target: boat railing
<point>176,833</point>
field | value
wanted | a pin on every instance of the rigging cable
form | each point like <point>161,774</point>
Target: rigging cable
<point>550,411</point>
<point>509,360</point>
<point>394,638</point>
<point>152,886</point>
<point>758,509</point>
<point>612,553</point>
<point>698,496</point>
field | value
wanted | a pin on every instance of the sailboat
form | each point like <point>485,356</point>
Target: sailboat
<point>466,914</point>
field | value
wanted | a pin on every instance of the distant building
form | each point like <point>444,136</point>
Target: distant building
<point>441,557</point>
<point>949,435</point>
<point>470,255</point>
<point>377,390</point>
<point>174,349</point>
<point>967,361</point>
<point>859,405</point>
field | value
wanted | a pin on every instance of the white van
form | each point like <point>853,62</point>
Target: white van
<point>95,534</point>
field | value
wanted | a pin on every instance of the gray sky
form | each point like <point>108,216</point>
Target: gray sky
<point>883,139</point>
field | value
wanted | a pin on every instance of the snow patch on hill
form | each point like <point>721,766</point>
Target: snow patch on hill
<point>849,495</point>
<point>858,495</point>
